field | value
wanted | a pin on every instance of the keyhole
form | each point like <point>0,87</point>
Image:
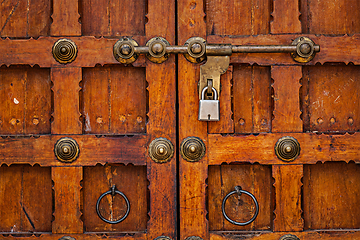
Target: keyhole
<point>208,116</point>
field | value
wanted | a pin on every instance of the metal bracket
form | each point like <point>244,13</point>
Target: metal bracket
<point>211,71</point>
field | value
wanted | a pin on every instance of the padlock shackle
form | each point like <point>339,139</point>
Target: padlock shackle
<point>203,93</point>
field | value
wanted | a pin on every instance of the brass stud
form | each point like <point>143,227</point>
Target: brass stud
<point>64,51</point>
<point>287,149</point>
<point>157,50</point>
<point>161,150</point>
<point>163,238</point>
<point>194,238</point>
<point>66,150</point>
<point>305,50</point>
<point>124,50</point>
<point>196,48</point>
<point>192,149</point>
<point>67,238</point>
<point>289,237</point>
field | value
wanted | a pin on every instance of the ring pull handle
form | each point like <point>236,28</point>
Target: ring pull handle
<point>238,190</point>
<point>113,191</point>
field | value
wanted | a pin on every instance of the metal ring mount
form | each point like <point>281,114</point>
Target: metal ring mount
<point>66,150</point>
<point>238,190</point>
<point>305,50</point>
<point>287,149</point>
<point>192,149</point>
<point>124,50</point>
<point>289,237</point>
<point>196,49</point>
<point>64,51</point>
<point>112,191</point>
<point>157,50</point>
<point>161,150</point>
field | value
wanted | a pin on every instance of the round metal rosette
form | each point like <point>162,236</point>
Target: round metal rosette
<point>305,50</point>
<point>194,238</point>
<point>67,238</point>
<point>124,50</point>
<point>162,238</point>
<point>64,51</point>
<point>192,149</point>
<point>157,50</point>
<point>66,150</point>
<point>196,49</point>
<point>289,237</point>
<point>287,149</point>
<point>161,150</point>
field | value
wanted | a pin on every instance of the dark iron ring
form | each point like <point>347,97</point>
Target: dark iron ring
<point>113,191</point>
<point>247,193</point>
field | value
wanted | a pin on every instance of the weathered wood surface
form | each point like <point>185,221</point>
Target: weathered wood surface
<point>65,16</point>
<point>93,150</point>
<point>87,236</point>
<point>285,17</point>
<point>314,148</point>
<point>66,186</point>
<point>310,235</point>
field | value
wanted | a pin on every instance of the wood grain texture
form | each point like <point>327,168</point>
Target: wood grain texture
<point>130,180</point>
<point>26,199</point>
<point>288,198</point>
<point>286,99</point>
<point>67,187</point>
<point>23,19</point>
<point>104,94</point>
<point>324,17</point>
<point>66,101</point>
<point>226,123</point>
<point>31,51</point>
<point>65,15</point>
<point>192,175</point>
<point>237,18</point>
<point>87,236</point>
<point>252,101</point>
<point>255,179</point>
<point>93,150</point>
<point>330,98</point>
<point>330,196</point>
<point>113,18</point>
<point>308,235</point>
<point>286,17</point>
<point>161,79</point>
<point>314,148</point>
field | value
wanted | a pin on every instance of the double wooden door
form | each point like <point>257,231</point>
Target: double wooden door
<point>115,117</point>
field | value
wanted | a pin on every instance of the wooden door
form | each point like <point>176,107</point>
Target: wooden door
<point>113,112</point>
<point>263,98</point>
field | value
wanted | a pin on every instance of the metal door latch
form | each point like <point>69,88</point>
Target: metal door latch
<point>195,50</point>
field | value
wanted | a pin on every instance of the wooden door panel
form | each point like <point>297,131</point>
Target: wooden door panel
<point>272,96</point>
<point>113,111</point>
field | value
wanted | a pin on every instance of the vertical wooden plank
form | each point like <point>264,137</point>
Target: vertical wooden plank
<point>65,18</point>
<point>38,101</point>
<point>286,17</point>
<point>67,199</point>
<point>162,121</point>
<point>242,93</point>
<point>13,18</point>
<point>288,198</point>
<point>10,198</point>
<point>192,175</point>
<point>66,101</point>
<point>38,18</point>
<point>12,98</point>
<point>127,84</point>
<point>95,100</point>
<point>36,203</point>
<point>226,123</point>
<point>286,98</point>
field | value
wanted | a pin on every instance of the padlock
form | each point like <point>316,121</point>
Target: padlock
<point>209,110</point>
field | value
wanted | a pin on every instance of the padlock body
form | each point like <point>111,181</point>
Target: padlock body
<point>209,110</point>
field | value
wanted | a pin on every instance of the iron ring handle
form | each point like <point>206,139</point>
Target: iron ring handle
<point>239,190</point>
<point>113,191</point>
